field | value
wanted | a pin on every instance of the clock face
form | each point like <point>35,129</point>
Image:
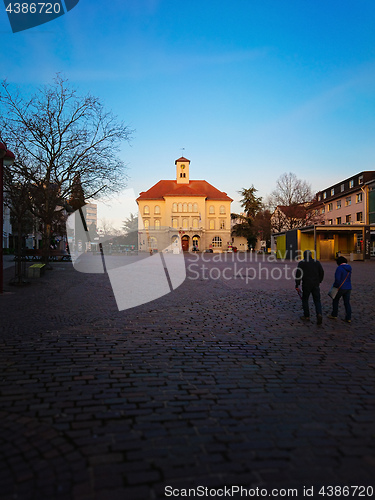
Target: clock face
<point>182,167</point>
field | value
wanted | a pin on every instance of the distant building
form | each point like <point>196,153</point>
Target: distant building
<point>347,225</point>
<point>91,214</point>
<point>192,211</point>
<point>348,202</point>
<point>77,240</point>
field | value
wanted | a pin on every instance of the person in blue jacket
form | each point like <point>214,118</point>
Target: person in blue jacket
<point>343,282</point>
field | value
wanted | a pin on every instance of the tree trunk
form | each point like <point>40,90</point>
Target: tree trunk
<point>46,246</point>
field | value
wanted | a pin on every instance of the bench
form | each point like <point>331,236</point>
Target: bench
<point>59,255</point>
<point>30,255</point>
<point>36,270</point>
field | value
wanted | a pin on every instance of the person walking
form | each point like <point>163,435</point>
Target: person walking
<point>311,273</point>
<point>343,282</point>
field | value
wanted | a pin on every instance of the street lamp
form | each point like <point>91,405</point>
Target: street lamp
<point>6,158</point>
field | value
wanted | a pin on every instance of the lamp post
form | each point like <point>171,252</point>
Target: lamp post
<point>6,158</point>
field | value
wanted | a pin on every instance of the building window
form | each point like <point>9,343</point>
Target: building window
<point>324,195</point>
<point>212,209</point>
<point>338,204</point>
<point>146,210</point>
<point>175,223</point>
<point>359,197</point>
<point>185,223</point>
<point>330,207</point>
<point>338,220</point>
<point>180,207</point>
<point>146,223</point>
<point>222,209</point>
<point>195,223</point>
<point>212,224</point>
<point>360,179</point>
<point>322,210</point>
<point>184,207</point>
<point>190,207</point>
<point>195,207</point>
<point>330,221</point>
<point>157,224</point>
<point>348,201</point>
<point>222,224</point>
<point>332,191</point>
<point>351,183</point>
<point>348,219</point>
<point>342,187</point>
<point>174,207</point>
<point>157,209</point>
<point>359,217</point>
<point>217,242</point>
<point>319,197</point>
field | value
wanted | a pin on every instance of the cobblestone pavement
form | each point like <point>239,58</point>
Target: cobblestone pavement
<point>216,384</point>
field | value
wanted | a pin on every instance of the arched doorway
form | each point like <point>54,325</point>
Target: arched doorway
<point>196,241</point>
<point>185,243</point>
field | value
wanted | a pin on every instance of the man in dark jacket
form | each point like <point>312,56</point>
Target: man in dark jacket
<point>311,273</point>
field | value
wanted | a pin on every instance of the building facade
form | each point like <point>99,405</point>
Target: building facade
<point>348,201</point>
<point>190,211</point>
<point>347,222</point>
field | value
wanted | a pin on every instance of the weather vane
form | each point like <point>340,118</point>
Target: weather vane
<point>182,149</point>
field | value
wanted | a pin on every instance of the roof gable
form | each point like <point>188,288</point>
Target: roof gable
<point>172,188</point>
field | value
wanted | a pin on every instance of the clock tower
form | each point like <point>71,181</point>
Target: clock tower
<point>182,170</point>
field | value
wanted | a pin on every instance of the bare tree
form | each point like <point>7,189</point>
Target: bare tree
<point>107,229</point>
<point>291,203</point>
<point>291,191</point>
<point>56,134</point>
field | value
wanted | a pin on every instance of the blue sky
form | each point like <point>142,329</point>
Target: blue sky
<point>251,89</point>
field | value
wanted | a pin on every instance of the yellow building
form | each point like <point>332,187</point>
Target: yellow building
<point>192,211</point>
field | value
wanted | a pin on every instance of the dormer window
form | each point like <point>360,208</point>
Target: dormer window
<point>351,183</point>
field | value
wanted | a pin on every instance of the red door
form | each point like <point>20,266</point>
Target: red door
<point>185,244</point>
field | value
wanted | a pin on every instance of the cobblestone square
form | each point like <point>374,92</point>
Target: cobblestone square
<point>217,384</point>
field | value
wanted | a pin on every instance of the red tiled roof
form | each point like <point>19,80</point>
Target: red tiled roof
<point>294,211</point>
<point>182,159</point>
<point>194,188</point>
